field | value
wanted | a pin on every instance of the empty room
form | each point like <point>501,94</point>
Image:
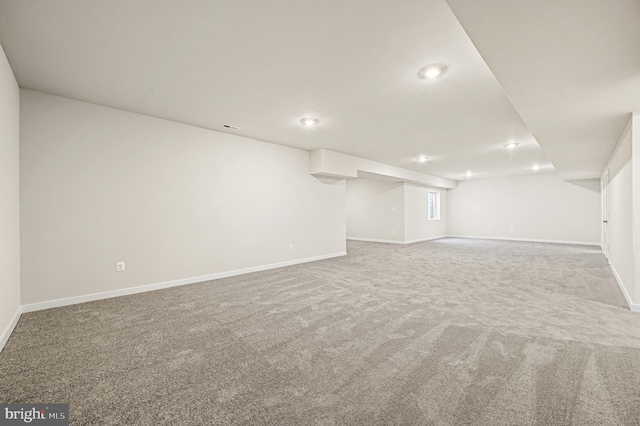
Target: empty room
<point>320,213</point>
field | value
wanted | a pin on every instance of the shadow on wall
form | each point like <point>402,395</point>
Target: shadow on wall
<point>590,184</point>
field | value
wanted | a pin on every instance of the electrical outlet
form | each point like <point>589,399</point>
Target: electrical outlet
<point>291,246</point>
<point>119,266</point>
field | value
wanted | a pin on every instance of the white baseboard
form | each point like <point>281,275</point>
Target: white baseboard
<point>475,237</point>
<point>419,240</point>
<point>159,286</point>
<point>9,329</point>
<point>632,306</point>
<point>531,240</point>
<point>374,240</point>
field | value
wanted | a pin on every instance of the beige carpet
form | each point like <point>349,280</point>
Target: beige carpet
<point>447,332</point>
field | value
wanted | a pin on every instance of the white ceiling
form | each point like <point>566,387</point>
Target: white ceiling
<point>353,64</point>
<point>570,67</point>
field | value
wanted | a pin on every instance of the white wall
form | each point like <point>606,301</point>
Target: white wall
<point>620,212</point>
<point>9,197</point>
<point>392,211</point>
<point>100,185</point>
<point>530,207</point>
<point>375,210</point>
<point>417,225</point>
<point>635,195</point>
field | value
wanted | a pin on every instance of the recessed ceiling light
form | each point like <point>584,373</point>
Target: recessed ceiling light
<point>536,167</point>
<point>511,145</point>
<point>432,71</point>
<point>423,159</point>
<point>309,121</point>
<point>469,174</point>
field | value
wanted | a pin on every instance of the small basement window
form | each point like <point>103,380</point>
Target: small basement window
<point>434,206</point>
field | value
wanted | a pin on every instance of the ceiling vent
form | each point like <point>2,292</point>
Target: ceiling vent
<point>230,127</point>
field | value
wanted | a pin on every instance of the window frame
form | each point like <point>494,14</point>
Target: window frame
<point>435,196</point>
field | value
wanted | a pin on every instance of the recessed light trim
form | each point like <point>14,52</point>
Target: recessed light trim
<point>432,71</point>
<point>310,121</point>
<point>469,173</point>
<point>423,159</point>
<point>511,145</point>
<point>536,167</point>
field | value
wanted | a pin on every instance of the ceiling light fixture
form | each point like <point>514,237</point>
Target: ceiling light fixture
<point>511,145</point>
<point>468,174</point>
<point>309,121</point>
<point>536,167</point>
<point>423,159</point>
<point>432,71</point>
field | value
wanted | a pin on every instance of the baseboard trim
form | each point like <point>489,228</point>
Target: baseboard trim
<point>168,284</point>
<point>4,337</point>
<point>530,240</point>
<point>375,240</point>
<point>420,240</point>
<point>632,306</point>
<point>474,237</point>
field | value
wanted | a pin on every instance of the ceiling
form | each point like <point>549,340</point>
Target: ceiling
<point>570,67</point>
<point>262,66</point>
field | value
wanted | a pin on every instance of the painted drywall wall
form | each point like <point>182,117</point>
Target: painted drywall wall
<point>100,185</point>
<point>375,210</point>
<point>635,206</point>
<point>417,225</point>
<point>620,218</point>
<point>9,196</point>
<point>387,211</point>
<point>531,207</point>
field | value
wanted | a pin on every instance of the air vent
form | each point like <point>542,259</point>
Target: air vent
<point>230,127</point>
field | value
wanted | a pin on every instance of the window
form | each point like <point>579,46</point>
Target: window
<point>434,206</point>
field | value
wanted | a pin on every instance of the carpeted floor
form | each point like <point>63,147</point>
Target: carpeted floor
<point>447,332</point>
